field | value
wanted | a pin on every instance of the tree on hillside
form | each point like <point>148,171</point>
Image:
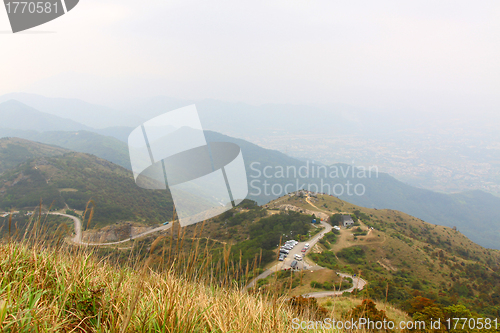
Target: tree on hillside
<point>418,303</point>
<point>307,306</point>
<point>368,310</point>
<point>336,219</point>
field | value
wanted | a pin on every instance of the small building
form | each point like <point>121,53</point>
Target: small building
<point>347,220</point>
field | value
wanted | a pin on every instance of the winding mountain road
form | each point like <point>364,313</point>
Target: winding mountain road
<point>358,283</point>
<point>78,232</point>
<point>296,250</point>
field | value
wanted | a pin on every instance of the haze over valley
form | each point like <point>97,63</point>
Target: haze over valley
<point>261,166</point>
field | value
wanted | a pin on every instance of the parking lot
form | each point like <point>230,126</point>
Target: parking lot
<point>296,250</point>
<point>285,264</point>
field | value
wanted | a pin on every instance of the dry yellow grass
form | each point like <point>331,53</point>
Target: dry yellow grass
<point>339,306</point>
<point>62,288</point>
<point>49,291</point>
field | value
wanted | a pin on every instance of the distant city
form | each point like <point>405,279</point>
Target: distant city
<point>437,159</point>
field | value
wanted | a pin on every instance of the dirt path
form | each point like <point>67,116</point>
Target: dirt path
<point>308,200</point>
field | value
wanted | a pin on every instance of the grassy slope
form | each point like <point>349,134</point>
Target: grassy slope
<point>112,188</point>
<point>106,147</point>
<point>52,291</point>
<point>403,248</point>
<point>14,151</point>
<point>103,286</point>
<point>475,213</point>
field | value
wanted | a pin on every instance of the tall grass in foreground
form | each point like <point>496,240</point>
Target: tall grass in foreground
<point>51,286</point>
<point>48,285</point>
<point>45,290</point>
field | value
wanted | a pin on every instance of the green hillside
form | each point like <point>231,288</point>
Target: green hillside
<point>72,179</point>
<point>105,147</point>
<point>475,213</point>
<point>14,151</point>
<point>408,262</point>
<point>404,258</point>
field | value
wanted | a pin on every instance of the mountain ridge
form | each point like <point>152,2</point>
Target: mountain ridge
<point>21,116</point>
<point>476,213</point>
<point>88,114</point>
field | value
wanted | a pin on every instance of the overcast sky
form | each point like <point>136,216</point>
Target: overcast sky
<point>422,55</point>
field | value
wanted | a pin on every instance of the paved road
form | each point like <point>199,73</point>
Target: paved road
<point>296,250</point>
<point>357,283</point>
<point>78,232</point>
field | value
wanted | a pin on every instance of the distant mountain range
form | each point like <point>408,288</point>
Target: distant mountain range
<point>90,115</point>
<point>16,115</point>
<point>252,121</point>
<point>475,213</point>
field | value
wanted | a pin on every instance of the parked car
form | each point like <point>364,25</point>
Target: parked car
<point>294,264</point>
<point>303,250</point>
<point>281,258</point>
<point>284,251</point>
<point>298,257</point>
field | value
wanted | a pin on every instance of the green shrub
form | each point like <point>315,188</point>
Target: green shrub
<point>317,285</point>
<point>353,254</point>
<point>325,259</point>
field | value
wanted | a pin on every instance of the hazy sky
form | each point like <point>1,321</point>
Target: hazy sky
<point>424,55</point>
